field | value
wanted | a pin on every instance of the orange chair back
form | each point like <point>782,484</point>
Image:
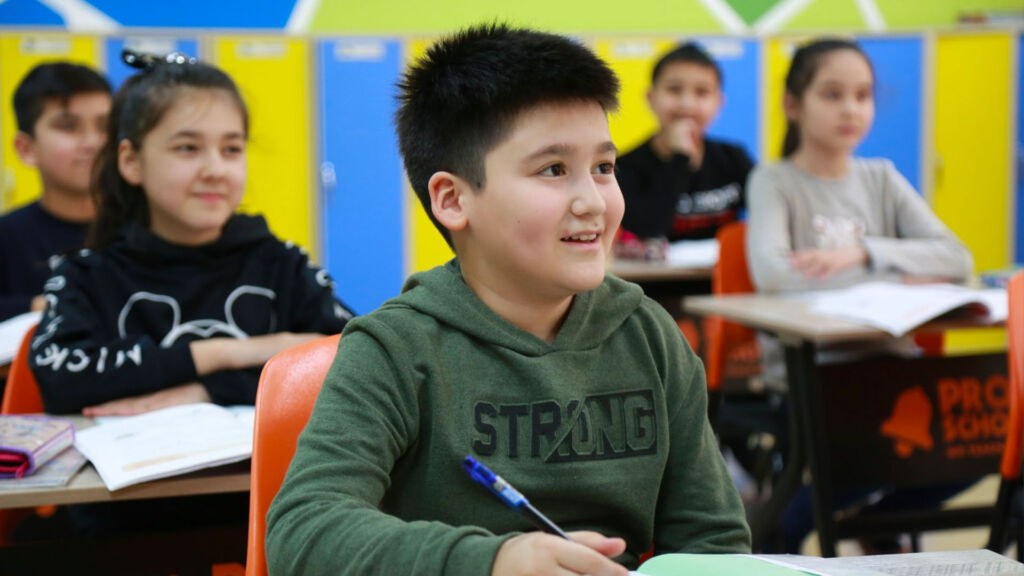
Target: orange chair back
<point>21,396</point>
<point>729,276</point>
<point>1010,469</point>
<point>287,391</point>
<point>22,393</point>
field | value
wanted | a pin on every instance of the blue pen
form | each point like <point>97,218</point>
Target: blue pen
<point>510,496</point>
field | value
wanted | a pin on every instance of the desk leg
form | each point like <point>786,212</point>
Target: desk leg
<point>805,397</point>
<point>766,522</point>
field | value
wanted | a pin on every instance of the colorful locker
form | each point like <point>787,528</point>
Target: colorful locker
<point>632,60</point>
<point>118,71</point>
<point>896,133</point>
<point>273,76</point>
<point>1019,156</point>
<point>19,184</point>
<point>361,182</point>
<point>972,139</point>
<point>972,155</point>
<point>426,247</point>
<point>740,61</point>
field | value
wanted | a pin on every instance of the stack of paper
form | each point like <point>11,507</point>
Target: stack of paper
<point>693,253</point>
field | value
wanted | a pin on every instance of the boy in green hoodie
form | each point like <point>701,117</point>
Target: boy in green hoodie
<point>520,352</point>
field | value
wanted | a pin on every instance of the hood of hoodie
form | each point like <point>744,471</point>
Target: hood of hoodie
<point>241,231</point>
<point>593,316</point>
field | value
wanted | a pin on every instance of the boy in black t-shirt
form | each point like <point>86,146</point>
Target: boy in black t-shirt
<point>679,184</point>
<point>61,110</point>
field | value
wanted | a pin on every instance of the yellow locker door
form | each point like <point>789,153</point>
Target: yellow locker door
<point>18,54</point>
<point>633,60</point>
<point>273,76</point>
<point>427,247</point>
<point>778,53</point>
<point>972,152</point>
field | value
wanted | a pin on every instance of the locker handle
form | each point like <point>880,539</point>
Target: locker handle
<point>328,176</point>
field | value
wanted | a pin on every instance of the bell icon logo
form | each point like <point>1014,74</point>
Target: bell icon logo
<point>910,423</point>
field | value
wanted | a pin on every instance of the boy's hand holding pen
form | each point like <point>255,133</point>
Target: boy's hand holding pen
<point>551,551</point>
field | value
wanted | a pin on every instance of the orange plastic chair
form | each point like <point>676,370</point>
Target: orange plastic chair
<point>1010,486</point>
<point>21,396</point>
<point>22,393</point>
<point>729,276</point>
<point>287,391</point>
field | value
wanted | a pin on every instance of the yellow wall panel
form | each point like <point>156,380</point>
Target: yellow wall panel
<point>19,184</point>
<point>778,54</point>
<point>427,247</point>
<point>972,139</point>
<point>273,76</point>
<point>632,60</point>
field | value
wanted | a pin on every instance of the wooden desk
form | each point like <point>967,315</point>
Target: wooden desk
<point>650,271</point>
<point>86,486</point>
<point>801,333</point>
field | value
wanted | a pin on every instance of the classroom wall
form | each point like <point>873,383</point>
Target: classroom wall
<point>324,166</point>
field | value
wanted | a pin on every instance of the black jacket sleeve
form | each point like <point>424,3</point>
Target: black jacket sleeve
<point>313,304</point>
<point>78,365</point>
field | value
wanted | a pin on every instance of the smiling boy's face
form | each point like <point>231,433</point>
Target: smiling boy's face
<point>541,228</point>
<point>686,91</point>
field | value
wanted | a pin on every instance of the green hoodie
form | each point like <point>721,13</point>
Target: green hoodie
<point>603,429</point>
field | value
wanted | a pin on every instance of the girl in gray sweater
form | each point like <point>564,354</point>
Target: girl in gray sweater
<point>823,218</point>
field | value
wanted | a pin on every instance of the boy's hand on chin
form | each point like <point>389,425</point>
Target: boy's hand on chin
<point>822,263</point>
<point>684,138</point>
<point>540,554</point>
<point>183,394</point>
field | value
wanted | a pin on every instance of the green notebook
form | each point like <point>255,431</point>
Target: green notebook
<point>712,565</point>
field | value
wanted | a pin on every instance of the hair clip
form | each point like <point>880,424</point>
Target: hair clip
<point>145,61</point>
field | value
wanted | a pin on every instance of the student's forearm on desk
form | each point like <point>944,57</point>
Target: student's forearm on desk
<point>217,354</point>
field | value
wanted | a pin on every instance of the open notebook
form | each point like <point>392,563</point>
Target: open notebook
<point>959,563</point>
<point>899,308</point>
<point>167,442</point>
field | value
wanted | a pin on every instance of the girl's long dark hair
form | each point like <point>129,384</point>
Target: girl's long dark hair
<point>806,62</point>
<point>138,107</point>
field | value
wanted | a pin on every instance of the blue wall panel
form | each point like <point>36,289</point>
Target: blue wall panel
<point>362,183</point>
<point>118,71</point>
<point>739,61</point>
<point>28,13</point>
<point>896,134</point>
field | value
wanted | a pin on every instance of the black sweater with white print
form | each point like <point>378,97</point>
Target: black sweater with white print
<point>119,321</point>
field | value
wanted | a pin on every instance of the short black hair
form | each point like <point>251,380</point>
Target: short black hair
<point>60,80</point>
<point>690,53</point>
<point>459,100</point>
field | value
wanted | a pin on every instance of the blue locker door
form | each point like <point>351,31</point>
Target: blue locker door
<point>896,133</point>
<point>738,121</point>
<point>118,71</point>
<point>361,174</point>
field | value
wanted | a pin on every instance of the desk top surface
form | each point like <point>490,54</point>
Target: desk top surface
<point>652,271</point>
<point>789,316</point>
<point>87,486</point>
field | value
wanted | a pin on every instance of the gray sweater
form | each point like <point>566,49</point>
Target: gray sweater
<point>874,206</point>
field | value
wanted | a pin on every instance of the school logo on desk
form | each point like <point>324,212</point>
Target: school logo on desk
<point>910,423</point>
<point>914,421</point>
